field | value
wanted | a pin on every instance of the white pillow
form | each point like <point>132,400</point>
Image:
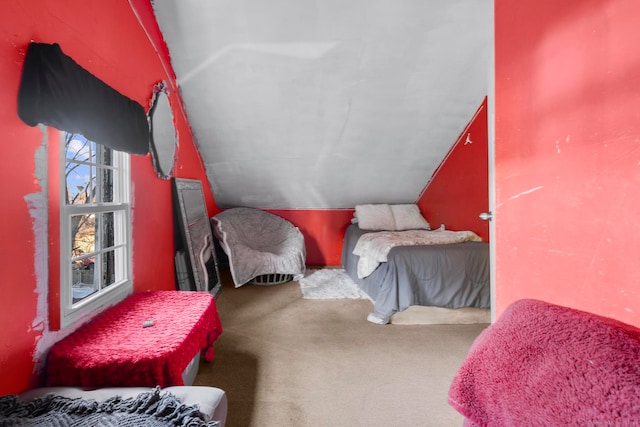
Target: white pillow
<point>408,217</point>
<point>375,217</point>
<point>390,217</point>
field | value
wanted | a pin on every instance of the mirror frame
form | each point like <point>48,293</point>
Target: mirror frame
<point>162,150</point>
<point>196,260</point>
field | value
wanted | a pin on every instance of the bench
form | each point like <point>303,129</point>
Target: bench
<point>146,340</point>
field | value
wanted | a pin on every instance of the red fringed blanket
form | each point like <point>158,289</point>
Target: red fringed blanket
<point>541,364</point>
<point>116,349</point>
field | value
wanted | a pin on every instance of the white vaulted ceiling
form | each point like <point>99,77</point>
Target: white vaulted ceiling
<point>326,103</point>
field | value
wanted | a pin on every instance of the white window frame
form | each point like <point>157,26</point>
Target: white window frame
<point>86,308</point>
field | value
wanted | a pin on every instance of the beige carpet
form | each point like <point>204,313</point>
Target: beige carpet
<point>419,315</point>
<point>288,361</point>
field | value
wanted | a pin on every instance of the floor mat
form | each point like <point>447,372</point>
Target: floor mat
<point>329,283</point>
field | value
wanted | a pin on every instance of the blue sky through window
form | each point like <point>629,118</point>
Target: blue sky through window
<point>80,153</point>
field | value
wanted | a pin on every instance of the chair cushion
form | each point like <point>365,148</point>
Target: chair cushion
<point>258,243</point>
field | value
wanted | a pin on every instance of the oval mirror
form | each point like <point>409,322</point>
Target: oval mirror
<point>164,138</point>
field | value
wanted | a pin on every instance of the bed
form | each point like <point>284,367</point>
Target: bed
<point>454,275</point>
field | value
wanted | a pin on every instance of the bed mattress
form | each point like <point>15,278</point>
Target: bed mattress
<point>451,275</point>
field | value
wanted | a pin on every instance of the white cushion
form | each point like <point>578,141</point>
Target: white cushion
<point>408,217</point>
<point>375,217</point>
<point>381,217</point>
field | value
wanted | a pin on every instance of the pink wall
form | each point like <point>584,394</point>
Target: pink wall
<point>108,40</point>
<point>459,191</point>
<point>567,154</point>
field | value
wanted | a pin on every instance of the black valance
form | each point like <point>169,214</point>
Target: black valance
<point>56,91</point>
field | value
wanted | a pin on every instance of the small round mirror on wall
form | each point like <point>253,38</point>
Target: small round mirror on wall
<point>164,138</point>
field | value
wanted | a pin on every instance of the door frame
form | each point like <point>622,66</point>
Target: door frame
<point>491,92</point>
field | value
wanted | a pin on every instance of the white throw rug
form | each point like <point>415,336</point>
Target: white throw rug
<point>335,283</point>
<point>329,283</point>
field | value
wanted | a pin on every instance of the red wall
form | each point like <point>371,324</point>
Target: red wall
<point>459,191</point>
<point>567,157</point>
<point>323,231</point>
<point>107,39</point>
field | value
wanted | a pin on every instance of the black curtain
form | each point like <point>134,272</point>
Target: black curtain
<point>56,91</point>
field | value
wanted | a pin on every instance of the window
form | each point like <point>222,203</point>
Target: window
<point>95,232</point>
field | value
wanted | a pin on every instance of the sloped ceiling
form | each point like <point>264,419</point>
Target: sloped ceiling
<point>326,103</point>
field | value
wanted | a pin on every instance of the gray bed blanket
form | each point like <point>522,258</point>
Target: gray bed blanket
<point>150,409</point>
<point>258,243</point>
<point>373,248</point>
<point>451,276</point>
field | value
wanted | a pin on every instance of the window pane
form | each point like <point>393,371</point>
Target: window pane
<point>83,235</point>
<point>120,232</point>
<point>108,231</point>
<point>82,286</point>
<point>109,276</point>
<point>105,185</point>
<point>80,184</point>
<point>78,148</point>
<point>83,279</point>
<point>105,155</point>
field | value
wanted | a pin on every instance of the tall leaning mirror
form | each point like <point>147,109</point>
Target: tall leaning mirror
<point>164,138</point>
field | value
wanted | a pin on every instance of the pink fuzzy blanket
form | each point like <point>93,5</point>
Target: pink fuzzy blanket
<point>541,364</point>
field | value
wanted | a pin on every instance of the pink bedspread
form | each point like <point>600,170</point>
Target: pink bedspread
<point>541,364</point>
<point>115,349</point>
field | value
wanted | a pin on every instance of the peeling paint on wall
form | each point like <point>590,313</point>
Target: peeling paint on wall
<point>526,192</point>
<point>39,211</point>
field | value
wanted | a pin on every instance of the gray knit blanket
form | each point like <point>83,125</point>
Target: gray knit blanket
<point>149,409</point>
